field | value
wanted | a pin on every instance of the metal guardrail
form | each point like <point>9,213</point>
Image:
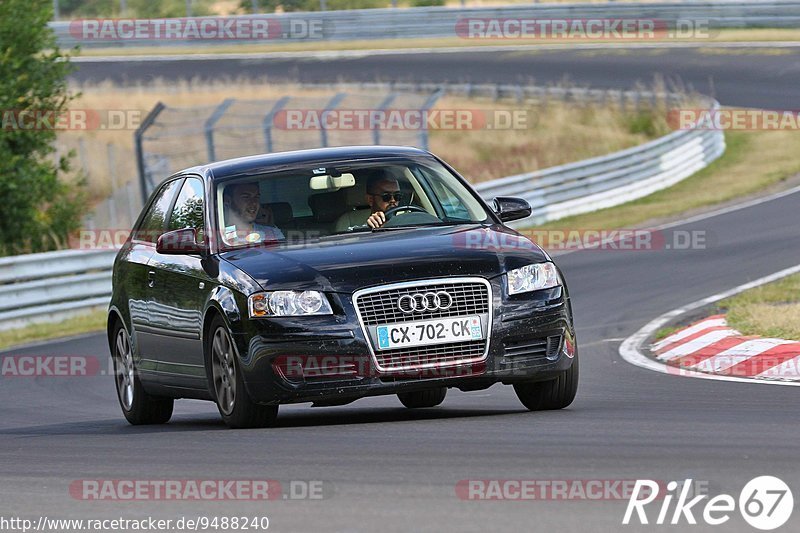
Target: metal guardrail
<point>434,22</point>
<point>611,180</point>
<point>51,286</point>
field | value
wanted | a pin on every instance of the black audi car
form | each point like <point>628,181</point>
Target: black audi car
<point>329,275</point>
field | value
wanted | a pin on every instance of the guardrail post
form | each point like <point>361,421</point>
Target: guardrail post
<point>138,137</point>
<point>429,103</point>
<point>331,104</point>
<point>376,133</point>
<point>209,127</point>
<point>269,118</point>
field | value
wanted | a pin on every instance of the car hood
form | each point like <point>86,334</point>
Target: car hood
<point>347,263</point>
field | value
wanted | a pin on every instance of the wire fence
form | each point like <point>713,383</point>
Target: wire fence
<point>173,138</point>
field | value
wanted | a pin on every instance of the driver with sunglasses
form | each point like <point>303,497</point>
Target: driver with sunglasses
<point>383,193</point>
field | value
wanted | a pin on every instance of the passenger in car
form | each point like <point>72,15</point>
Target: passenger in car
<point>241,203</point>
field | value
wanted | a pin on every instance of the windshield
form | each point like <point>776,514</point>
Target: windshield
<point>307,204</point>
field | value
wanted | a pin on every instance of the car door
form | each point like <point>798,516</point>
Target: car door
<point>180,290</point>
<point>137,278</point>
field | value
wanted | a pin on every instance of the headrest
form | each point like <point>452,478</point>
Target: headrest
<point>281,212</point>
<point>356,195</point>
<point>327,206</point>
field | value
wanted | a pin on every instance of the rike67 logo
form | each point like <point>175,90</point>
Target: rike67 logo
<point>765,503</point>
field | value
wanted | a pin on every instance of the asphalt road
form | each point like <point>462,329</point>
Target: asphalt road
<point>753,78</point>
<point>386,468</point>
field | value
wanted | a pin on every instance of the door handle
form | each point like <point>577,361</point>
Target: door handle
<point>151,278</point>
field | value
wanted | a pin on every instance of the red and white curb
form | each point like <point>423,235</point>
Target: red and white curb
<point>712,346</point>
<point>711,350</point>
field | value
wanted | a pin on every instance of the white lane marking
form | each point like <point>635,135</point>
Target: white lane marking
<point>789,369</point>
<point>630,349</point>
<point>350,54</point>
<point>696,328</point>
<point>741,352</point>
<point>695,345</point>
<point>729,209</point>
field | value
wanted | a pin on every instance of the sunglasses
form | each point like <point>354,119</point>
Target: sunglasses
<point>388,196</point>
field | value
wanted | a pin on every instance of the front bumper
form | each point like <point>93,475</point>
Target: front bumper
<point>326,360</point>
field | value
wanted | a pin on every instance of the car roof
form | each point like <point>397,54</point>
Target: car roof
<point>267,162</point>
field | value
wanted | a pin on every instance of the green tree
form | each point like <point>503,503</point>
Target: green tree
<point>39,207</point>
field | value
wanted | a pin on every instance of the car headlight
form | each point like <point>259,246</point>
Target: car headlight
<point>532,278</point>
<point>288,303</point>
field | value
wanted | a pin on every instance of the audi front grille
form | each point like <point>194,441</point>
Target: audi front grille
<point>379,306</point>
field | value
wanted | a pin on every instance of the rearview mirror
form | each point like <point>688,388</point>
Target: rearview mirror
<point>180,242</point>
<point>332,183</point>
<point>509,208</point>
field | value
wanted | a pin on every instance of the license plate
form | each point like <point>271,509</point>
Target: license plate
<point>427,332</point>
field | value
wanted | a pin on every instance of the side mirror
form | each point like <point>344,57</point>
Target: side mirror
<point>510,208</point>
<point>180,242</point>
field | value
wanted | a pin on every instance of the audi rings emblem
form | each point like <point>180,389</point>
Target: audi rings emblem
<point>430,301</point>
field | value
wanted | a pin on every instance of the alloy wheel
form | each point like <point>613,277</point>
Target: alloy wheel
<point>224,370</point>
<point>124,370</point>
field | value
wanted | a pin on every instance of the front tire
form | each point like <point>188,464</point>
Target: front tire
<point>233,402</point>
<point>424,398</point>
<point>139,407</point>
<point>549,395</point>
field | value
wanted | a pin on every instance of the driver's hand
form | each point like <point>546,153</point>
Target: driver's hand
<point>376,220</point>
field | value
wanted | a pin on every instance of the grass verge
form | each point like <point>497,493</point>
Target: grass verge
<point>85,323</point>
<point>754,161</point>
<point>771,310</point>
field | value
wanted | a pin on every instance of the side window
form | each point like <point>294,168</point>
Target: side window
<point>188,210</point>
<point>152,225</point>
<point>450,202</point>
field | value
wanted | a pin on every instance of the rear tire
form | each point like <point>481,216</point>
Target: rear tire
<point>548,395</point>
<point>424,398</point>
<point>139,407</point>
<point>233,402</point>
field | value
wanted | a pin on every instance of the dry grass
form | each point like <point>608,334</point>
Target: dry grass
<point>752,162</point>
<point>552,133</point>
<point>772,310</point>
<point>557,133</point>
<point>82,323</point>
